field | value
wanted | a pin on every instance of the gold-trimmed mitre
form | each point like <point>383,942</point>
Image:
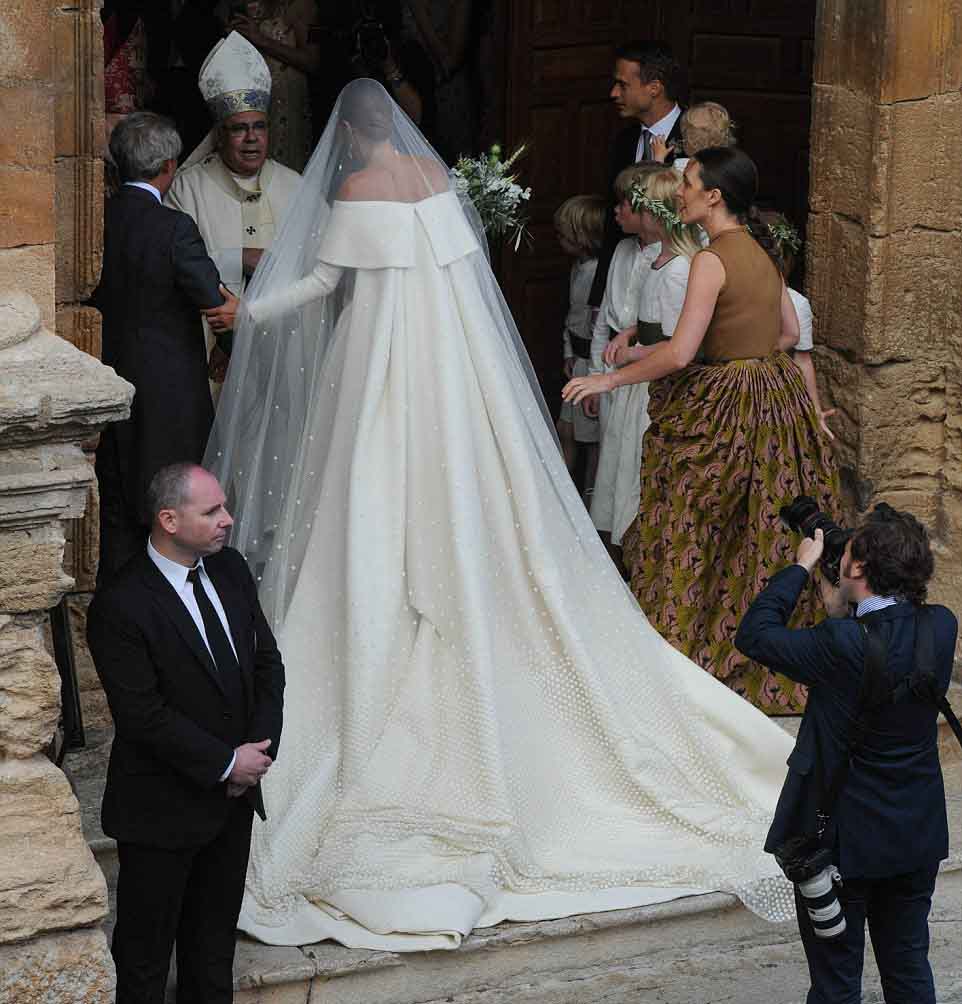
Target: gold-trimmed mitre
<point>235,78</point>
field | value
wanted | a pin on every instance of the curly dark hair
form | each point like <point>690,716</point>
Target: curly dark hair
<point>895,552</point>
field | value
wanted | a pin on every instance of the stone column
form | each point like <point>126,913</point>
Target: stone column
<point>53,397</point>
<point>885,257</point>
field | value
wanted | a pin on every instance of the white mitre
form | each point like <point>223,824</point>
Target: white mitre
<point>234,78</point>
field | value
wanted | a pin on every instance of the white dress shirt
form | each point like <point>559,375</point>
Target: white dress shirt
<point>147,188</point>
<point>872,603</point>
<point>662,127</point>
<point>176,575</point>
<point>803,310</point>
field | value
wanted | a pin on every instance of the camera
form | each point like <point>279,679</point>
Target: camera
<point>804,517</point>
<point>809,866</point>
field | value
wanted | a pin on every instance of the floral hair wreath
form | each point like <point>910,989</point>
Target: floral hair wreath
<point>663,212</point>
<point>785,236</point>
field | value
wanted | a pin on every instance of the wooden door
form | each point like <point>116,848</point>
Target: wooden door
<point>753,56</point>
<point>559,63</point>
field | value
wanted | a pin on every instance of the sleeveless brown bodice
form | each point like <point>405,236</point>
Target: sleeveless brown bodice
<point>747,321</point>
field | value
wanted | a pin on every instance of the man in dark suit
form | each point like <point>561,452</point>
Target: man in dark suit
<point>195,685</point>
<point>156,279</point>
<point>888,829</point>
<point>645,92</point>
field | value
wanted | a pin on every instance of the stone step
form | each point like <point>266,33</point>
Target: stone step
<point>703,948</point>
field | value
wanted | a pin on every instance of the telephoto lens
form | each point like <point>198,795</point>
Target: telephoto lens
<point>821,903</point>
<point>811,868</point>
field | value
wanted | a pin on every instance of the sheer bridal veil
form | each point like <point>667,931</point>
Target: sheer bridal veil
<point>266,447</point>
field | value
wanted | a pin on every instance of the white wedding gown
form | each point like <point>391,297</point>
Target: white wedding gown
<point>480,724</point>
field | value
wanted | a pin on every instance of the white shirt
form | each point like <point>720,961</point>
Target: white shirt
<point>627,274</point>
<point>147,188</point>
<point>176,575</point>
<point>662,127</point>
<point>872,603</point>
<point>803,310</point>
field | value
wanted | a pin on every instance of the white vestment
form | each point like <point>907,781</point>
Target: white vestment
<point>229,216</point>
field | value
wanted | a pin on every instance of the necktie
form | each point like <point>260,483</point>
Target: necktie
<point>646,144</point>
<point>224,657</point>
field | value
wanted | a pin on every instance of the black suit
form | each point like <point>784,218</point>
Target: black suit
<point>182,843</point>
<point>624,153</point>
<point>892,830</point>
<point>156,278</point>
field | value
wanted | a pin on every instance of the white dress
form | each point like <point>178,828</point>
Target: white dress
<point>663,296</point>
<point>480,724</point>
<point>624,289</point>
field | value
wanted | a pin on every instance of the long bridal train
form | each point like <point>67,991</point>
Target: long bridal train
<point>480,723</point>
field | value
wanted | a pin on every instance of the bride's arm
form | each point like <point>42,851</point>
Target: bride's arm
<point>321,280</point>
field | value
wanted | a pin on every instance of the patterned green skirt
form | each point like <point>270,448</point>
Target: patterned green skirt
<point>729,444</point>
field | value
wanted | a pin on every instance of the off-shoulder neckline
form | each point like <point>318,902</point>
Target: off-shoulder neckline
<point>389,202</point>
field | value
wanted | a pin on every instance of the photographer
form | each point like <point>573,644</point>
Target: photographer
<point>880,821</point>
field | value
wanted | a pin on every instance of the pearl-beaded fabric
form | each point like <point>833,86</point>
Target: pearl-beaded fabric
<point>480,723</point>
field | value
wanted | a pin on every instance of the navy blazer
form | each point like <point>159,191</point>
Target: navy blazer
<point>176,724</point>
<point>890,815</point>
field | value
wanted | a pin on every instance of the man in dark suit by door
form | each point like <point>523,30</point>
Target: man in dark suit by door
<point>888,829</point>
<point>645,92</point>
<point>195,685</point>
<point>156,280</point>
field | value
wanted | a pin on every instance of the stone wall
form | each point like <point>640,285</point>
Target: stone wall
<point>53,399</point>
<point>885,257</point>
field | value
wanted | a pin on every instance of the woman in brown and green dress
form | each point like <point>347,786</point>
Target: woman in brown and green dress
<point>732,439</point>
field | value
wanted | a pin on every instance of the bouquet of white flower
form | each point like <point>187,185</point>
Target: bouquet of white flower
<point>490,184</point>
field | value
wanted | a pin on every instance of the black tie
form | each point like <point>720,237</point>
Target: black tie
<point>646,144</point>
<point>217,639</point>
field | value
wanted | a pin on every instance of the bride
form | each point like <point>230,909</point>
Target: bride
<point>480,722</point>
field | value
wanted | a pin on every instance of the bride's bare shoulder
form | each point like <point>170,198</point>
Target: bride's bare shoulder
<point>367,185</point>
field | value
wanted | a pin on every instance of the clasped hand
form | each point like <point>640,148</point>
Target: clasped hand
<point>251,763</point>
<point>222,318</point>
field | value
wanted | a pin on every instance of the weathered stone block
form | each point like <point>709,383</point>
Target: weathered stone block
<point>31,568</point>
<point>848,154</point>
<point>851,36</point>
<point>49,390</point>
<point>93,701</point>
<point>29,689</point>
<point>79,209</point>
<point>924,175</point>
<point>26,47</point>
<point>78,82</point>
<point>917,57</point>
<point>31,271</point>
<point>26,207</point>
<point>50,880</point>
<point>81,326</point>
<point>26,140</point>
<point>915,297</point>
<point>74,968</point>
<point>83,545</point>
<point>838,281</point>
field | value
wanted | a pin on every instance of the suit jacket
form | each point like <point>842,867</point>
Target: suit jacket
<point>156,278</point>
<point>176,724</point>
<point>890,814</point>
<point>622,155</point>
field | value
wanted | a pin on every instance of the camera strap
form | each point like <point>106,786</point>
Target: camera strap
<point>877,690</point>
<point>922,683</point>
<point>874,691</point>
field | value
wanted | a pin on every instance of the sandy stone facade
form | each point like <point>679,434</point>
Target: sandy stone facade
<point>54,398</point>
<point>885,257</point>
